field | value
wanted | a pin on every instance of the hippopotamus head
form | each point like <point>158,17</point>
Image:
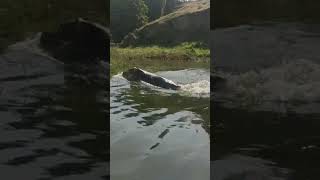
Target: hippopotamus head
<point>77,41</point>
<point>133,74</point>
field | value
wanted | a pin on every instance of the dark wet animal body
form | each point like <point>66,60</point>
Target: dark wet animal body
<point>136,74</point>
<point>79,40</point>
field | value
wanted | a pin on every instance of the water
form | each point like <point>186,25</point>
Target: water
<point>160,134</point>
<point>53,117</point>
<point>266,119</point>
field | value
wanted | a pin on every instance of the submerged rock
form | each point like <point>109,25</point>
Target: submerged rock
<point>79,40</point>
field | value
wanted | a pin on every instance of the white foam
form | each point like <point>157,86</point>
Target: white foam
<point>197,89</point>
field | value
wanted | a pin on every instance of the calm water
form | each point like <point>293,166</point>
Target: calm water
<point>161,134</point>
<point>266,120</point>
<point>53,117</point>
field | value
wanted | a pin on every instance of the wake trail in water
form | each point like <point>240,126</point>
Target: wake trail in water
<point>196,88</point>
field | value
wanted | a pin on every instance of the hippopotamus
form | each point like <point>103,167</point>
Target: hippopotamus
<point>136,74</point>
<point>78,40</point>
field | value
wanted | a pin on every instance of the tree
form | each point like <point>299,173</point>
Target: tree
<point>155,7</point>
<point>158,8</point>
<point>126,16</point>
<point>171,5</point>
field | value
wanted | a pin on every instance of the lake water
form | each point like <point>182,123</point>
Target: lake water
<point>53,117</point>
<point>160,134</point>
<point>266,119</point>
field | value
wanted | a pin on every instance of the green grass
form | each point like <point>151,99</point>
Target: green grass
<point>155,58</point>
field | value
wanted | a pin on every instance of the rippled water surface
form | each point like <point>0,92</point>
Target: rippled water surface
<point>53,121</point>
<point>266,117</point>
<point>161,134</point>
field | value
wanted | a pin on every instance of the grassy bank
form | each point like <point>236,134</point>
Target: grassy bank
<point>155,58</point>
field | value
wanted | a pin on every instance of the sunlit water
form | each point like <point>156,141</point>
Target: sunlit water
<point>53,121</point>
<point>266,117</point>
<point>160,134</point>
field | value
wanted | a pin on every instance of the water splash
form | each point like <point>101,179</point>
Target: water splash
<point>292,83</point>
<point>197,89</point>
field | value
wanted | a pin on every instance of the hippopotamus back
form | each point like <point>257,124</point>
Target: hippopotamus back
<point>136,74</point>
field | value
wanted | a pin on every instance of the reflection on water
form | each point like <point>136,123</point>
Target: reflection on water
<point>53,117</point>
<point>159,134</point>
<point>266,119</point>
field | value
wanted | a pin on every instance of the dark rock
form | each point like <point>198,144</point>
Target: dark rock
<point>79,40</point>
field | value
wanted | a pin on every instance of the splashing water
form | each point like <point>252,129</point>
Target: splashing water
<point>197,89</point>
<point>295,82</point>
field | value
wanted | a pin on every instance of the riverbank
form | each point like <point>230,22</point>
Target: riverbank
<point>157,58</point>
